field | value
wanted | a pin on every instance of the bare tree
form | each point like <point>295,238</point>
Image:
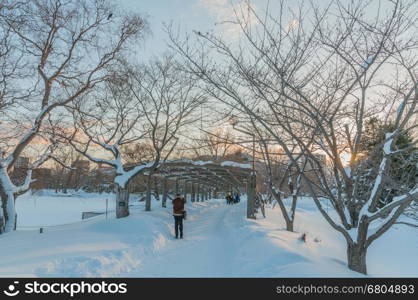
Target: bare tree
<point>314,79</point>
<point>63,49</point>
<point>289,175</point>
<point>61,167</point>
<point>215,145</point>
<point>10,64</point>
<point>141,108</point>
<point>278,169</point>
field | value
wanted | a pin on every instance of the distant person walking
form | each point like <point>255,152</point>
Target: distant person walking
<point>178,213</point>
<point>237,198</point>
<point>229,198</point>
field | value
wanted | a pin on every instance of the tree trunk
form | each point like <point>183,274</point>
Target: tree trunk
<point>148,195</point>
<point>289,225</point>
<point>156,190</point>
<point>177,187</point>
<point>164,201</point>
<point>122,202</point>
<point>193,192</point>
<point>9,211</point>
<point>356,258</point>
<point>251,196</point>
<point>289,220</point>
<point>185,190</point>
<point>2,209</point>
<point>8,202</point>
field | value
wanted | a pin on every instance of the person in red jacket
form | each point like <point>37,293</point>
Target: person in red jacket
<point>178,213</point>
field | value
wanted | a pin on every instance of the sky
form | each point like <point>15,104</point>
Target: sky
<point>189,13</point>
<point>200,15</point>
<point>204,15</point>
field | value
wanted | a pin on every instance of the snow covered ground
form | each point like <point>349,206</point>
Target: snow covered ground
<point>219,242</point>
<point>47,208</point>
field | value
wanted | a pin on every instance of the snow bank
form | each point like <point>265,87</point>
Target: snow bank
<point>219,242</point>
<point>325,250</point>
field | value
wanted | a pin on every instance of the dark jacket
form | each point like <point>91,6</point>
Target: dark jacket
<point>178,206</point>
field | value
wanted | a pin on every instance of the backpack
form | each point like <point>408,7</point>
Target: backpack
<point>178,204</point>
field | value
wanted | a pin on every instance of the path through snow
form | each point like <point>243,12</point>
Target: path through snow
<point>208,249</point>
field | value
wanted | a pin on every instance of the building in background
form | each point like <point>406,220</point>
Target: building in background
<point>22,162</point>
<point>42,176</point>
<point>43,179</point>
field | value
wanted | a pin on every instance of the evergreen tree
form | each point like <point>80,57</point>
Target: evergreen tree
<point>403,172</point>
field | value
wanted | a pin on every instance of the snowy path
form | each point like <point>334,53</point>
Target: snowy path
<point>207,250</point>
<point>219,242</point>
